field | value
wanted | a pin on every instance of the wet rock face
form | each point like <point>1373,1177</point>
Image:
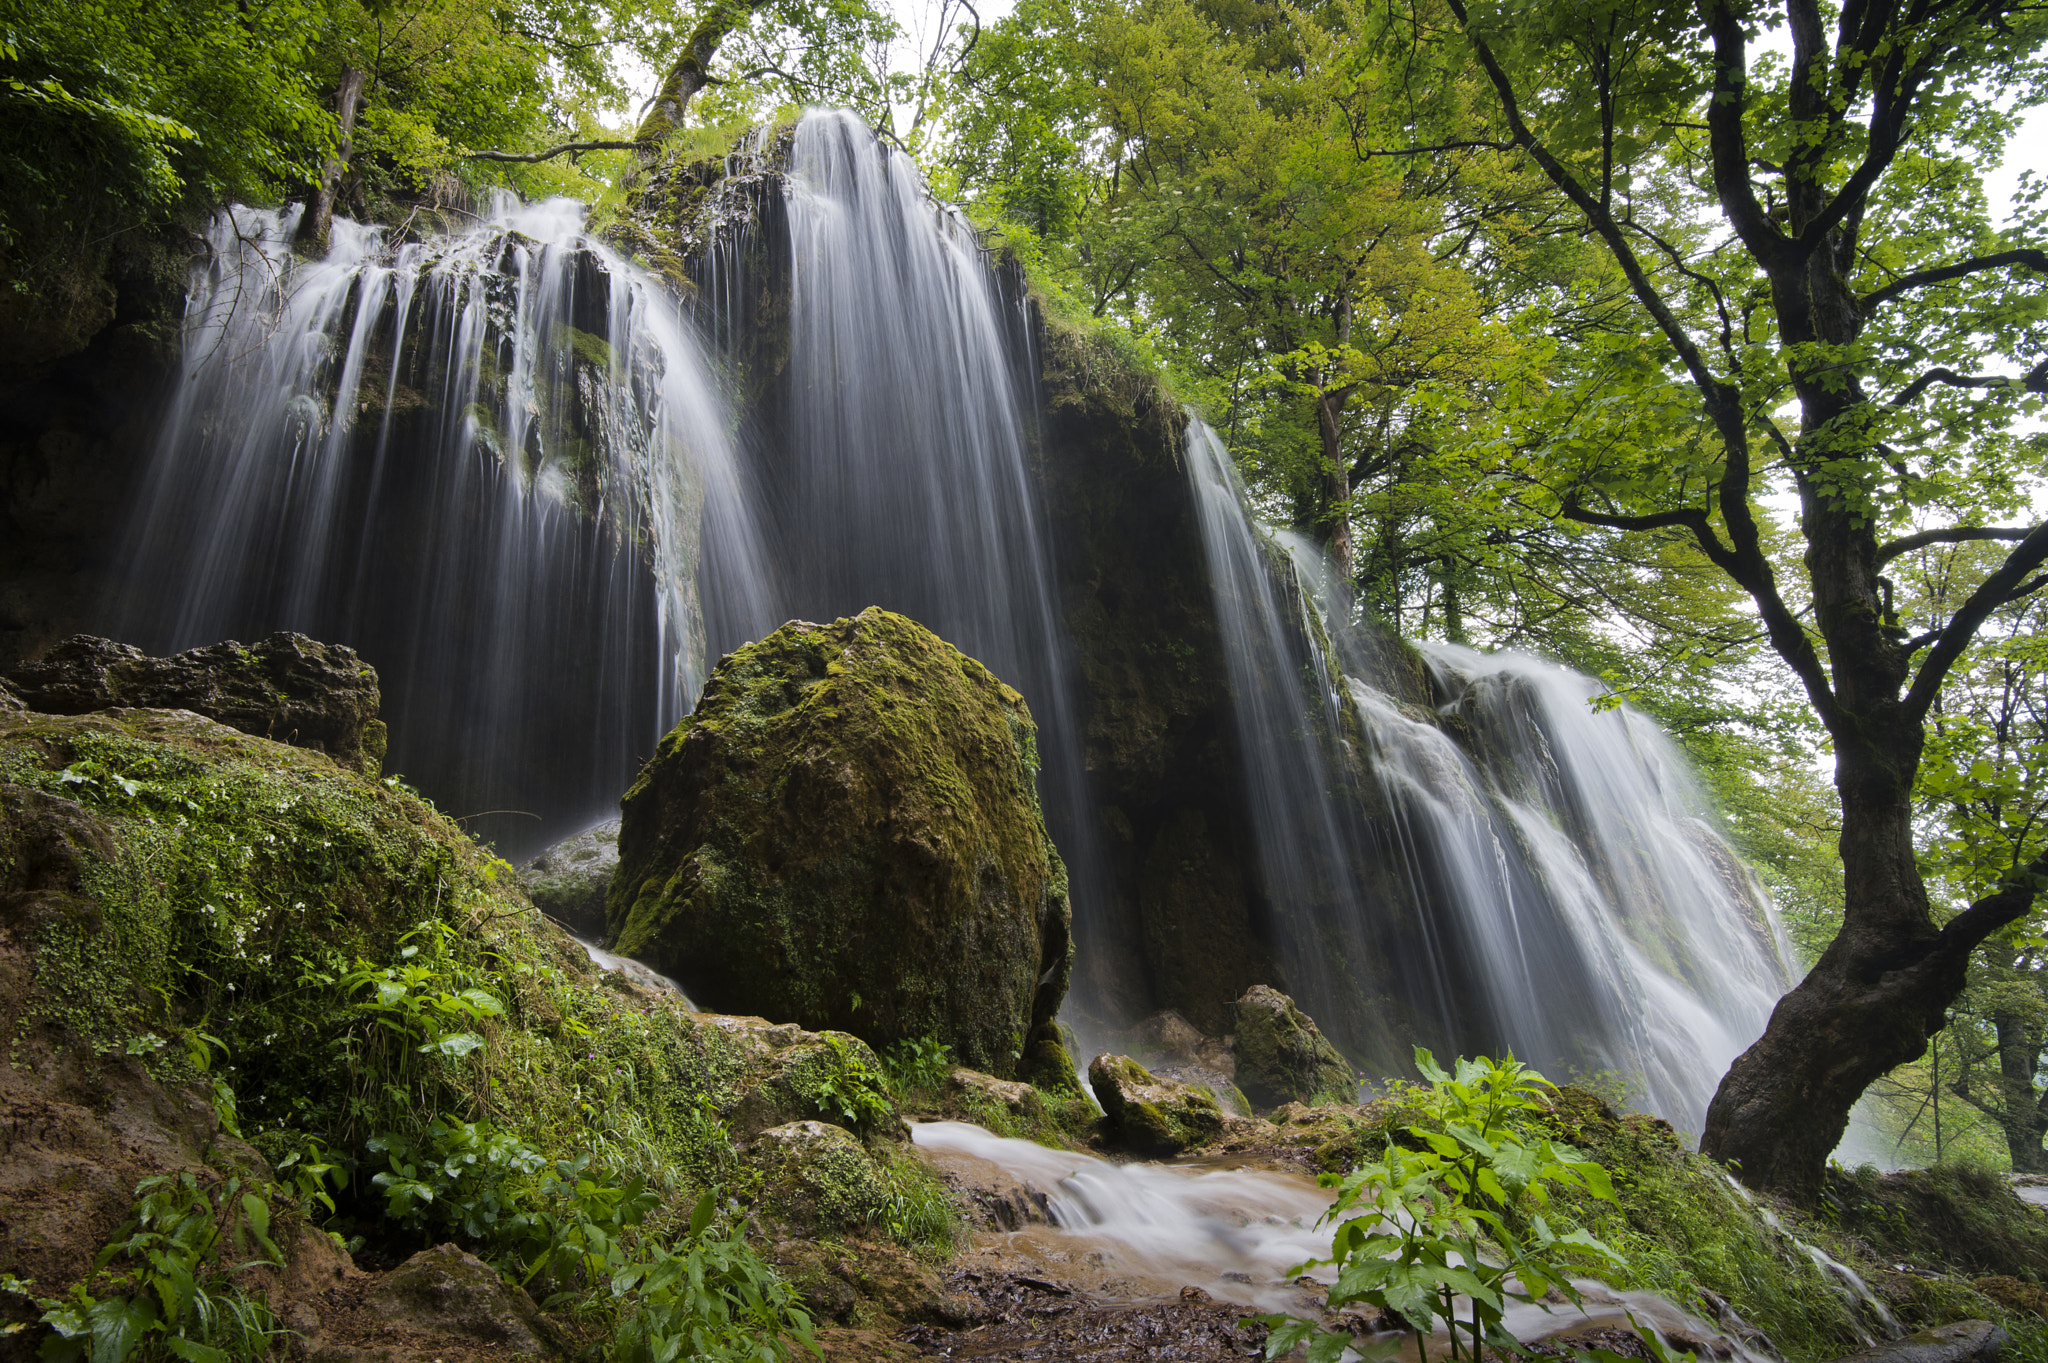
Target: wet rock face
<point>1283,1057</point>
<point>1150,1115</point>
<point>846,834</point>
<point>287,687</point>
<point>568,881</point>
<point>446,1293</point>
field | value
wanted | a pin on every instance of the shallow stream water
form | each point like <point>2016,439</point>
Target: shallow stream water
<point>1146,1232</point>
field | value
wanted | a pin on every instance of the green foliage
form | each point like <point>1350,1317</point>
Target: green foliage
<point>452,1179</point>
<point>173,1294</point>
<point>852,1091</point>
<point>920,1213</point>
<point>708,1297</point>
<point>1462,1219</point>
<point>917,1066</point>
<point>324,940</point>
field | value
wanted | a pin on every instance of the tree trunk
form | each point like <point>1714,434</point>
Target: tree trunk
<point>1869,1004</point>
<point>1337,476</point>
<point>2021,1117</point>
<point>318,222</point>
<point>1885,984</point>
<point>688,75</point>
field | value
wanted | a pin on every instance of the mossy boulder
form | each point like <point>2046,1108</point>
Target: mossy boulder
<point>447,1294</point>
<point>846,834</point>
<point>1150,1115</point>
<point>286,687</point>
<point>1336,1137</point>
<point>816,1179</point>
<point>1283,1057</point>
<point>569,881</point>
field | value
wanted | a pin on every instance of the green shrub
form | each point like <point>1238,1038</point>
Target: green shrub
<point>174,1295</point>
<point>1455,1230</point>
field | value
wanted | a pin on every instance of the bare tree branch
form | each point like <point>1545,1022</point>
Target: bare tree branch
<point>550,154</point>
<point>2027,258</point>
<point>1955,534</point>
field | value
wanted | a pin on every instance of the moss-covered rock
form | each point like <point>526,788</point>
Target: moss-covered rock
<point>1149,1115</point>
<point>1335,1137</point>
<point>443,1292</point>
<point>287,687</point>
<point>1283,1057</point>
<point>846,834</point>
<point>816,1179</point>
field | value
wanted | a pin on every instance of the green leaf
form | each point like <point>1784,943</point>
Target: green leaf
<point>118,1325</point>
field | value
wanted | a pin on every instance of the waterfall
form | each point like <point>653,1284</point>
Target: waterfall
<point>894,446</point>
<point>493,457</point>
<point>1549,881</point>
<point>489,458</point>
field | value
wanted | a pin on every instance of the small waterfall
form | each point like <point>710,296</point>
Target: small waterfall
<point>490,459</point>
<point>1289,708</point>
<point>1557,887</point>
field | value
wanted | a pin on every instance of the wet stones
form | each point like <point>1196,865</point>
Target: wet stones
<point>1283,1057</point>
<point>846,834</point>
<point>1149,1115</point>
<point>286,687</point>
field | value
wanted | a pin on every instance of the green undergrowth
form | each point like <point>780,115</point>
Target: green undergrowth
<point>1964,1217</point>
<point>1689,1233</point>
<point>1681,1228</point>
<point>419,1056</point>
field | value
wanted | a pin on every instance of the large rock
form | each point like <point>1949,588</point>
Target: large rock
<point>1965,1341</point>
<point>1150,1115</point>
<point>846,834</point>
<point>1282,1057</point>
<point>445,1293</point>
<point>286,687</point>
<point>568,882</point>
<point>816,1179</point>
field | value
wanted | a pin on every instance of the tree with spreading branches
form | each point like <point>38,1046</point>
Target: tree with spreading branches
<point>1826,307</point>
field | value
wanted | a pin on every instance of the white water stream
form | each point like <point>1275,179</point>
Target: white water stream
<point>1143,1232</point>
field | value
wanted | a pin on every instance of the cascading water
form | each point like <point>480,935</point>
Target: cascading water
<point>895,446</point>
<point>1143,1232</point>
<point>1557,888</point>
<point>489,459</point>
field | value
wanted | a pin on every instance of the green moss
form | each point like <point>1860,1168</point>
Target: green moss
<point>590,350</point>
<point>818,1179</point>
<point>1962,1218</point>
<point>847,834</point>
<point>226,886</point>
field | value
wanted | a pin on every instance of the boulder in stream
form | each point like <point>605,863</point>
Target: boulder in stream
<point>1283,1057</point>
<point>846,834</point>
<point>286,687</point>
<point>1150,1115</point>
